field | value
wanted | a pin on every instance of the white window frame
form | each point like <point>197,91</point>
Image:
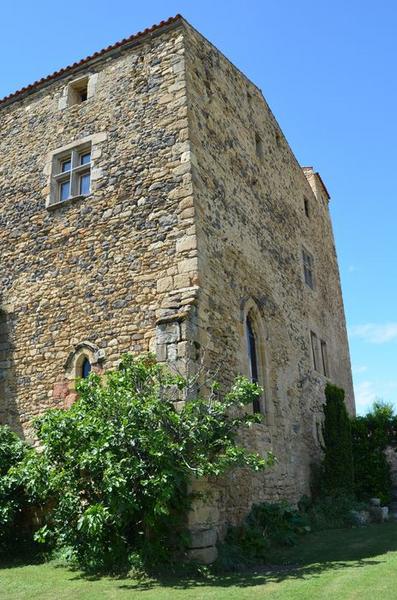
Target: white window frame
<point>73,175</point>
<point>52,168</point>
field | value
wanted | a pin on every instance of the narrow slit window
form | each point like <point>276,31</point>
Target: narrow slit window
<point>308,268</point>
<point>307,208</point>
<point>259,147</point>
<point>324,358</point>
<point>314,345</point>
<point>253,359</point>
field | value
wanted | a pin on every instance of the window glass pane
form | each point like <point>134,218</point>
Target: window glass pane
<point>64,190</point>
<point>86,368</point>
<point>84,187</point>
<point>85,158</point>
<point>66,165</point>
<point>253,360</point>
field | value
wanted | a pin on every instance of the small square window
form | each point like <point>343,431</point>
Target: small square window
<point>308,268</point>
<point>71,174</point>
<point>77,91</point>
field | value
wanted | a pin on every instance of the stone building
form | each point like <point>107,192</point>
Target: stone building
<point>149,201</point>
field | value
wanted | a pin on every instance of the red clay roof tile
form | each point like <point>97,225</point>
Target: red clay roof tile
<point>125,41</point>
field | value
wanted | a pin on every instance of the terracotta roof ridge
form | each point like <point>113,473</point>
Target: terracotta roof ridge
<point>123,42</point>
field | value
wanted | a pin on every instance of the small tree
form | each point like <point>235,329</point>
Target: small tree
<point>115,467</point>
<point>338,459</point>
<point>372,434</point>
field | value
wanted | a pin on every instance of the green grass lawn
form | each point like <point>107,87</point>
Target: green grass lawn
<point>333,565</point>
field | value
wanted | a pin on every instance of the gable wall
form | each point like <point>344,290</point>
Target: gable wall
<point>251,226</point>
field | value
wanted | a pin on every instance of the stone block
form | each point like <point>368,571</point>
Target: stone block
<point>164,284</point>
<point>187,265</point>
<point>186,243</point>
<point>205,556</point>
<point>181,281</point>
<point>161,352</point>
<point>377,514</point>
<point>202,538</point>
<point>168,333</point>
<point>359,518</point>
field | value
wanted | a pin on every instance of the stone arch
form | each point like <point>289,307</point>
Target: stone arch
<point>79,354</point>
<point>64,388</point>
<point>253,323</point>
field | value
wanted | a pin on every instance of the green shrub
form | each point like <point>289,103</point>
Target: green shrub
<point>371,436</point>
<point>115,467</point>
<point>266,529</point>
<point>329,512</point>
<point>337,468</point>
<point>13,499</point>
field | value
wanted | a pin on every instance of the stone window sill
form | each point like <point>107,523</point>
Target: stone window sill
<point>71,200</point>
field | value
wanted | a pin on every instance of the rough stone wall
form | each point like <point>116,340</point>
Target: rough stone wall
<point>110,273</point>
<point>186,229</point>
<point>251,226</point>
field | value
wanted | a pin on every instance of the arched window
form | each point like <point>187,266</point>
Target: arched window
<point>85,368</point>
<point>252,358</point>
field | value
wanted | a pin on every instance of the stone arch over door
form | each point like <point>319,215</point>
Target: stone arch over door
<point>252,323</point>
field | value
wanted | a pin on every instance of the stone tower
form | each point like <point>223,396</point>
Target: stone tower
<point>149,201</point>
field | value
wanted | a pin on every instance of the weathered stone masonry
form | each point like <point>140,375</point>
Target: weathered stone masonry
<point>196,219</point>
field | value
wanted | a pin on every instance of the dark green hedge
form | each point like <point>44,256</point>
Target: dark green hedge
<point>337,476</point>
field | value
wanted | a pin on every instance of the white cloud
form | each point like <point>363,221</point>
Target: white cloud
<point>375,333</point>
<point>365,395</point>
<point>358,369</point>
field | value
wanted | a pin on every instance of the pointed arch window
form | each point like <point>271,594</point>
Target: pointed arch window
<point>253,358</point>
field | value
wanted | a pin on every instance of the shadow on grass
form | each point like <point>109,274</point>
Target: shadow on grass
<point>258,576</point>
<point>317,553</point>
<point>327,551</point>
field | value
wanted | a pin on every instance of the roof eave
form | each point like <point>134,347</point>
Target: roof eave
<point>109,51</point>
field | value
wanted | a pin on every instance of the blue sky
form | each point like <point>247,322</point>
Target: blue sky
<point>328,71</point>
